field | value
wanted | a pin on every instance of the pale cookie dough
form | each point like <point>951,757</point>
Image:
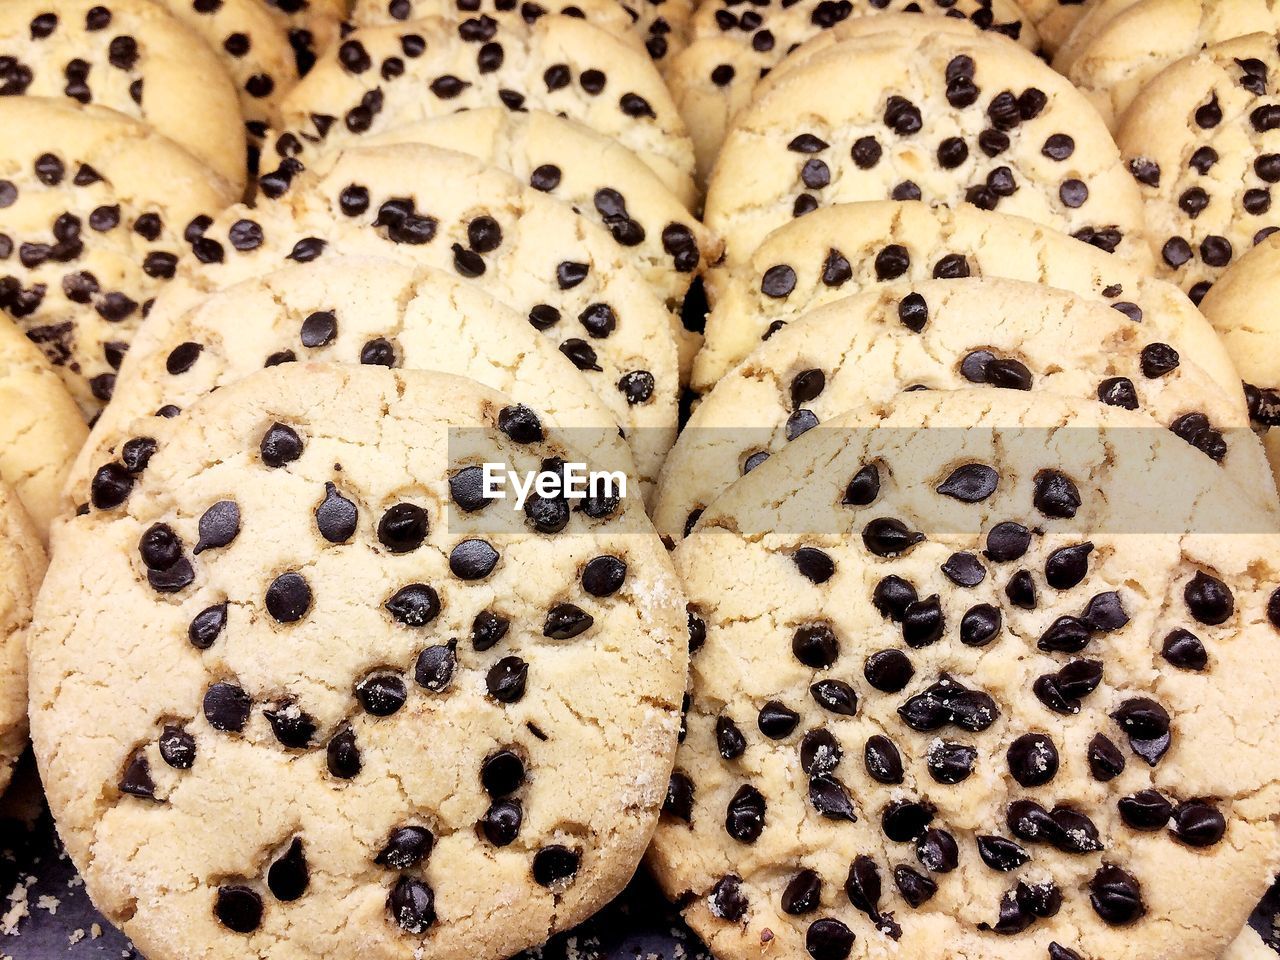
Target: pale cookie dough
<point>950,119</point>
<point>346,721</point>
<point>1241,308</point>
<point>606,14</point>
<point>94,211</point>
<point>733,45</point>
<point>342,310</point>
<point>1202,141</point>
<point>22,562</point>
<point>132,56</point>
<point>383,77</point>
<point>1112,60</point>
<point>431,207</point>
<point>41,429</point>
<point>839,250</point>
<point>968,687</point>
<point>861,352</point>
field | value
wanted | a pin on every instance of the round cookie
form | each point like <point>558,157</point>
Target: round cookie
<point>256,45</point>
<point>860,352</point>
<point>839,250</point>
<point>731,51</point>
<point>96,209</point>
<point>1120,50</point>
<point>952,118</point>
<point>1238,307</point>
<point>22,562</point>
<point>437,208</point>
<point>352,310</point>
<point>595,175</point>
<point>41,429</point>
<point>131,56</point>
<point>1202,141</point>
<point>383,77</point>
<point>962,691</point>
<point>358,727</point>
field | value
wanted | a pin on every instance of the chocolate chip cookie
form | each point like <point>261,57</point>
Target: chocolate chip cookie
<point>132,56</point>
<point>943,706</point>
<point>839,250</point>
<point>353,310</point>
<point>383,77</point>
<point>345,719</point>
<point>41,429</point>
<point>95,210</point>
<point>735,45</point>
<point>1118,48</point>
<point>431,207</point>
<point>1202,143</point>
<point>950,119</point>
<point>22,563</point>
<point>860,352</point>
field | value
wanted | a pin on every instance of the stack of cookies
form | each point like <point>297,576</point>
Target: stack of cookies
<point>920,593</point>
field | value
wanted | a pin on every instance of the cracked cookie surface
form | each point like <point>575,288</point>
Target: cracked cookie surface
<point>1202,141</point>
<point>431,207</point>
<point>860,352</point>
<point>383,77</point>
<point>96,210</point>
<point>131,56</point>
<point>839,250</point>
<point>344,310</point>
<point>962,694</point>
<point>348,717</point>
<point>950,119</point>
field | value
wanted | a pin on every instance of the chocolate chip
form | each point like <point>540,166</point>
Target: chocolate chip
<point>414,605</point>
<point>903,821</point>
<point>1184,650</point>
<point>506,679</point>
<point>679,800</point>
<point>288,877</point>
<point>835,696</point>
<point>177,748</point>
<point>980,625</point>
<point>1198,824</point>
<point>1208,599</point>
<point>1001,854</point>
<point>1118,392</point>
<point>565,621</point>
<point>1106,762</point>
<point>238,908</point>
<point>226,707</point>
<point>1067,566</point>
<point>291,726</point>
<point>803,893</point>
<point>815,646</point>
<point>889,537</point>
<point>863,488</point>
<point>922,622</point>
<point>343,755</point>
<point>219,526</point>
<point>950,763</point>
<point>729,739</point>
<point>892,262</point>
<point>1007,541</point>
<point>1033,759</point>
<point>776,720</point>
<point>435,666</point>
<point>501,822</point>
<point>1116,896</point>
<point>964,569</point>
<point>280,445</point>
<point>830,798</point>
<point>406,847</point>
<point>888,671</point>
<point>745,815</point>
<point>403,528</point>
<point>937,851</point>
<point>412,905</point>
<point>288,598</point>
<point>970,483</point>
<point>727,901</point>
<point>137,781</point>
<point>502,773</point>
<point>336,516</point>
<point>913,312</point>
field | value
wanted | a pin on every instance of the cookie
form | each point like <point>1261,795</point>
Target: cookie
<point>41,429</point>
<point>596,176</point>
<point>732,49</point>
<point>343,310</point>
<point>22,562</point>
<point>257,47</point>
<point>860,352</point>
<point>1236,306</point>
<point>131,56</point>
<point>313,25</point>
<point>1053,19</point>
<point>437,208</point>
<point>383,77</point>
<point>992,702</point>
<point>951,119</point>
<point>96,210</point>
<point>346,720</point>
<point>1117,49</point>
<point>839,250</point>
<point>1201,142</point>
